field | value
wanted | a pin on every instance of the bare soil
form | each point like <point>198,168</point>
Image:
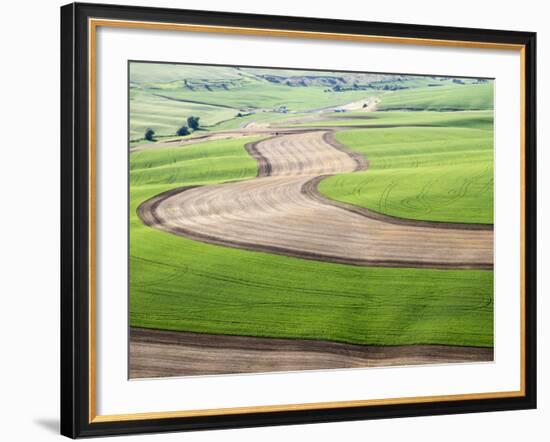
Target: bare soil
<point>158,353</point>
<point>281,212</point>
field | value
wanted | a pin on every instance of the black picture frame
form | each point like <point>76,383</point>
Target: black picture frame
<point>75,220</point>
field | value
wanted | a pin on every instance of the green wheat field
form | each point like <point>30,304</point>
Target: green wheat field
<point>429,144</point>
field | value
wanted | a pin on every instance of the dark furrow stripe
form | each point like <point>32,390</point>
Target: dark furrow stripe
<point>360,160</point>
<point>264,166</point>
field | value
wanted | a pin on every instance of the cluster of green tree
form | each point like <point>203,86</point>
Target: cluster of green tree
<point>192,124</point>
<point>150,134</point>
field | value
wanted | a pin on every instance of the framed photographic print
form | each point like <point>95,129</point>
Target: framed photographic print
<point>279,220</point>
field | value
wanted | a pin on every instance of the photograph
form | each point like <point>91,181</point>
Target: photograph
<point>278,220</point>
<point>275,221</point>
<point>283,219</point>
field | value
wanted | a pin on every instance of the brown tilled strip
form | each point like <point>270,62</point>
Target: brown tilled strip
<point>159,353</point>
<point>147,211</point>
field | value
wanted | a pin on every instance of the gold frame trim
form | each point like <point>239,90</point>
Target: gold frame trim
<point>93,24</point>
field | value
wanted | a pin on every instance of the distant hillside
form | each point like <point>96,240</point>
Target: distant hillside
<point>472,96</point>
<point>163,95</point>
<point>207,77</point>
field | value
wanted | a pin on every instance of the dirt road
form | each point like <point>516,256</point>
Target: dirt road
<point>281,212</point>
